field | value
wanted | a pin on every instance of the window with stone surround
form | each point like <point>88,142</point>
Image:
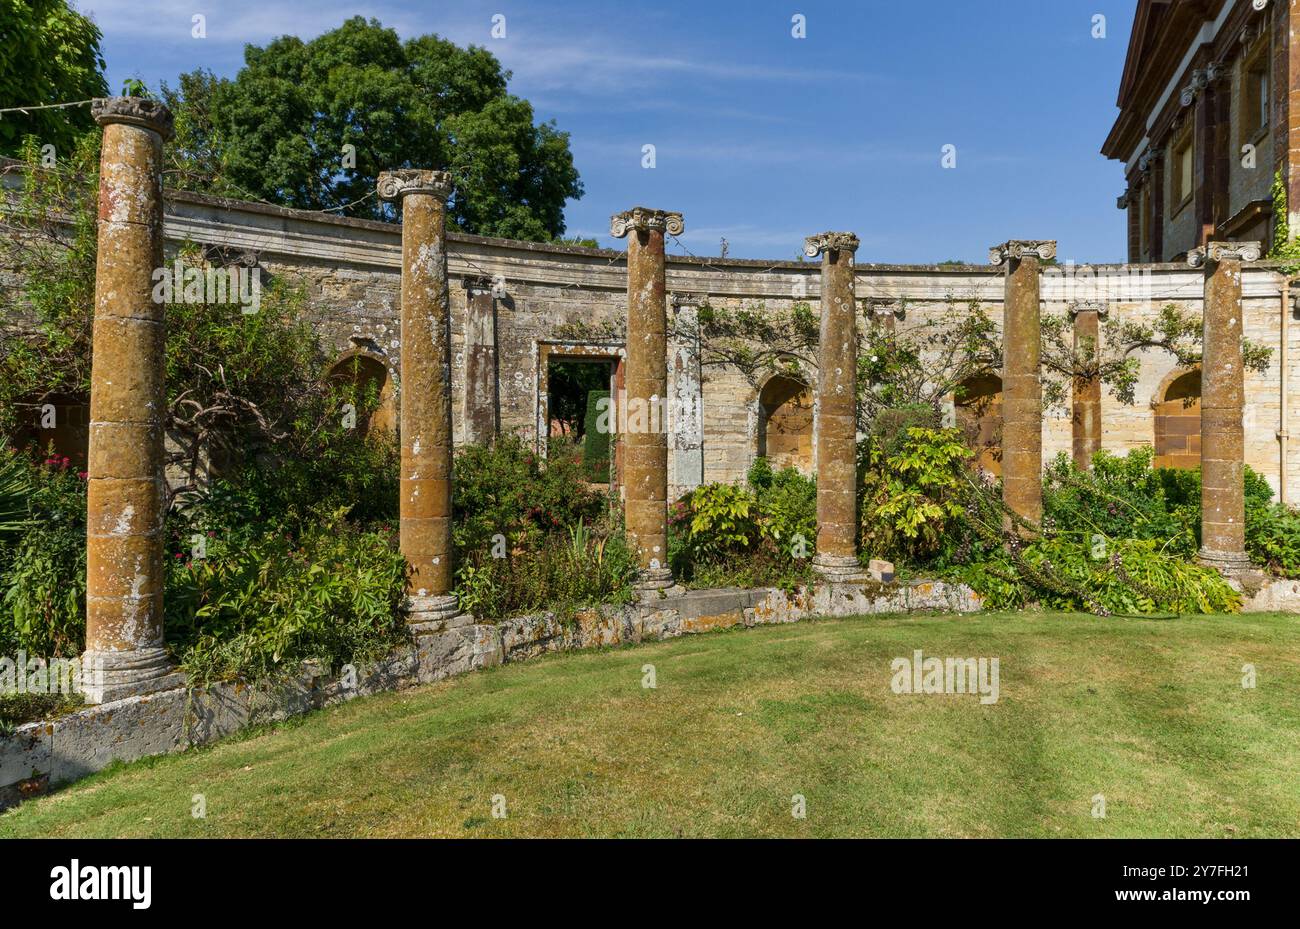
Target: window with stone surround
<point>1182,178</point>
<point>1254,93</point>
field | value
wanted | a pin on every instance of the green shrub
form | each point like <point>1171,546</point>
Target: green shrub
<point>593,566</point>
<point>506,489</point>
<point>259,604</point>
<point>595,441</point>
<point>910,503</point>
<point>1123,497</point>
<point>787,506</point>
<point>44,581</point>
<point>1129,576</point>
<point>724,535</point>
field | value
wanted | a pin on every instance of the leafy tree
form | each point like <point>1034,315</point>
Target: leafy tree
<point>50,54</point>
<point>1115,362</point>
<point>288,126</point>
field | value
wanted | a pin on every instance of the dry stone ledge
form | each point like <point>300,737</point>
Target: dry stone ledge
<point>43,754</point>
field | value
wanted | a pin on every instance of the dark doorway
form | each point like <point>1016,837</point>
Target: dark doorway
<point>578,392</point>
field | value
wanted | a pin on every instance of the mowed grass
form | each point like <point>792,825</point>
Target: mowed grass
<point>1150,714</point>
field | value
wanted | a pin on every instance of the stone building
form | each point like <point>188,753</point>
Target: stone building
<point>518,307</point>
<point>1207,119</point>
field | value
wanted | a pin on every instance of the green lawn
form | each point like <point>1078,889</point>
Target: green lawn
<point>1151,714</point>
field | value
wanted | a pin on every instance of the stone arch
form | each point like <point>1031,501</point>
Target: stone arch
<point>978,409</point>
<point>364,369</point>
<point>1177,409</point>
<point>785,423</point>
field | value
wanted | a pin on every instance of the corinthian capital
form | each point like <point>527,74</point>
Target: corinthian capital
<point>1213,252</point>
<point>644,219</point>
<point>394,185</point>
<point>815,245</point>
<point>1024,248</point>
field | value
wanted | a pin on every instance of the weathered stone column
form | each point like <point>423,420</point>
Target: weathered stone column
<point>1085,414</point>
<point>836,415</point>
<point>646,466</point>
<point>124,653</point>
<point>482,402</point>
<point>1223,392</point>
<point>686,396</point>
<point>1022,389</point>
<point>425,507</point>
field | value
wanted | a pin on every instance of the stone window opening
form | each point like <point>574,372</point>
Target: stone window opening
<point>1255,93</point>
<point>567,373</point>
<point>1183,180</point>
<point>370,387</point>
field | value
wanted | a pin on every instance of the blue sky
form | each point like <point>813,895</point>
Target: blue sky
<point>762,138</point>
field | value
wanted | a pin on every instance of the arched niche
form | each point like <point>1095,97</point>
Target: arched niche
<point>785,427</point>
<point>978,407</point>
<point>1177,409</point>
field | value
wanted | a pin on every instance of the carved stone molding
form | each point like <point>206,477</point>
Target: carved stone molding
<point>476,284</point>
<point>644,219</point>
<point>1100,307</point>
<point>228,256</point>
<point>1121,202</point>
<point>1218,251</point>
<point>881,308</point>
<point>1018,249</point>
<point>815,245</point>
<point>681,299</point>
<point>134,111</point>
<point>394,185</point>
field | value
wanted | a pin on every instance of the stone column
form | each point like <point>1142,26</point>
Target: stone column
<point>1022,389</point>
<point>685,396</point>
<point>836,417</point>
<point>125,655</point>
<point>645,468</point>
<point>425,506</point>
<point>1086,408</point>
<point>1223,508</point>
<point>482,405</point>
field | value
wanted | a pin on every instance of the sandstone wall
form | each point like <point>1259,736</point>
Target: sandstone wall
<point>564,300</point>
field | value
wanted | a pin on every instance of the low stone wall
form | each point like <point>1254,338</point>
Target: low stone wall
<point>45,754</point>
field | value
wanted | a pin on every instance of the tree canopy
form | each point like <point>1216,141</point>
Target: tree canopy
<point>312,124</point>
<point>50,54</point>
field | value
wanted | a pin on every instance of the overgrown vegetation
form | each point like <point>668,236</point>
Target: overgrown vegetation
<point>760,533</point>
<point>532,534</point>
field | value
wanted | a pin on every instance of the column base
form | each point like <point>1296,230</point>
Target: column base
<point>109,676</point>
<point>1225,562</point>
<point>1235,566</point>
<point>656,583</point>
<point>428,615</point>
<point>838,569</point>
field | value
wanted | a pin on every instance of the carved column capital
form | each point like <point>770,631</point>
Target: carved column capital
<point>681,299</point>
<point>815,245</point>
<point>1017,249</point>
<point>134,111</point>
<point>644,219</point>
<point>394,185</point>
<point>1100,307</point>
<point>885,307</point>
<point>1213,252</point>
